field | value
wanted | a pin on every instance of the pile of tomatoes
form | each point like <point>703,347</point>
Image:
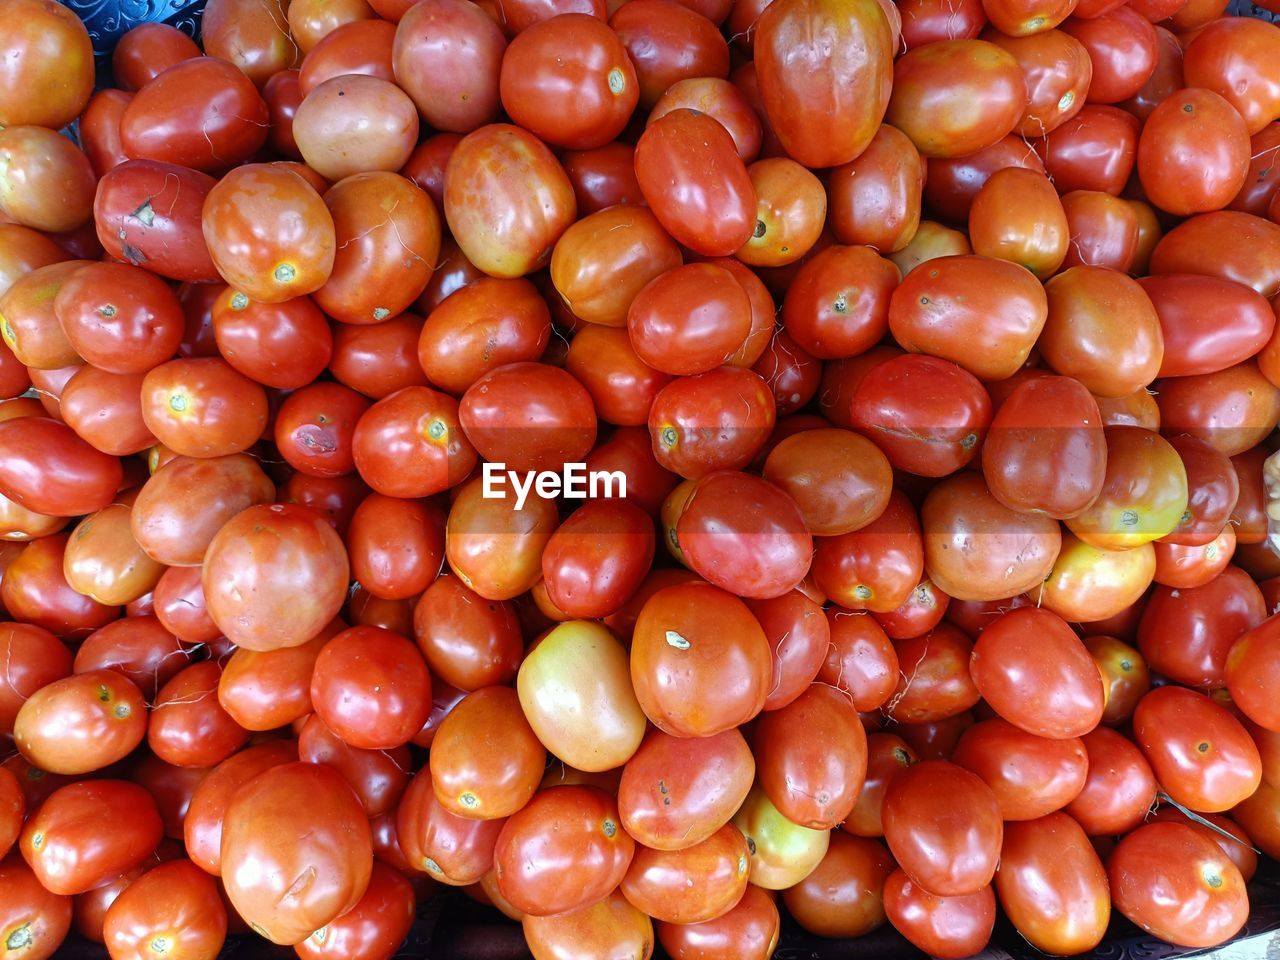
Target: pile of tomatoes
<point>935,342</point>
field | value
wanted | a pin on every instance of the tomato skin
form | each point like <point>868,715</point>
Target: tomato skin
<point>1231,409</point>
<point>47,468</point>
<point>839,480</point>
<point>30,913</point>
<point>832,317</point>
<point>563,851</point>
<point>468,642</point>
<point>1094,150</point>
<point>950,928</point>
<point>201,113</point>
<point>529,416</point>
<point>887,756</point>
<point>1031,776</point>
<point>932,82</point>
<point>188,726</point>
<point>290,820</point>
<point>782,853</point>
<point>81,723</point>
<point>411,444</point>
<point>875,567</point>
<point>264,691</point>
<point>501,174</point>
<point>1226,57</point>
<point>610,927</point>
<point>378,359</point>
<point>843,896</point>
<point>807,86</point>
<point>961,510</point>
<point>747,932</point>
<point>1225,243</point>
<point>875,198</point>
<point>711,421</point>
<point>1177,885</point>
<point>1036,673</point>
<point>1193,154</point>
<point>943,826</point>
<point>454,850</point>
<point>1119,788</point>
<point>1124,674</point>
<point>176,900</point>
<point>695,183</point>
<point>1057,71</point>
<point>1200,753</point>
<point>669,42</point>
<point>678,791</point>
<point>689,320</point>
<point>1194,314</point>
<point>1251,666</point>
<point>1122,46</point>
<point>119,318</point>
<point>932,685</point>
<point>948,307</point>
<point>1052,885</point>
<point>743,534</point>
<point>692,673</point>
<point>374,928</point>
<point>692,885</point>
<point>90,832</point>
<point>52,54</point>
<point>811,757</point>
<point>271,559</point>
<point>486,762</point>
<point>859,661</point>
<point>493,548</point>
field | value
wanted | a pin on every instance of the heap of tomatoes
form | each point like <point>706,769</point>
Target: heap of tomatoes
<point>934,340</point>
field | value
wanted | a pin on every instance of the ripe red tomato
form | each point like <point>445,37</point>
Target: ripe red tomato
<point>33,920</point>
<point>1031,776</point>
<point>176,904</point>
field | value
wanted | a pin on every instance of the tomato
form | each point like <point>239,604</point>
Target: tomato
<point>611,927</point>
<point>942,824</point>
<point>875,198</point>
<point>274,576</point>
<point>797,631</point>
<point>1122,45</point>
<point>843,896</point>
<point>35,590</point>
<point>1036,673</point>
<point>1031,776</point>
<point>189,727</point>
<point>887,756</point>
<point>1230,409</point>
<point>1250,663</point>
<point>953,182</point>
<point>377,777</point>
<point>839,480</point>
<point>52,54</point>
<point>1225,243</point>
<point>828,314</point>
<point>720,99</point>
<point>676,791</point>
<point>563,851</point>
<point>119,318</point>
<point>358,46</point>
<point>381,114</point>
<point>949,307</point>
<point>747,932</point>
<point>782,852</point>
<point>48,183</point>
<point>493,548</point>
<point>203,407</point>
<point>34,658</point>
<point>454,850</point>
<point>467,641</point>
<point>695,183</point>
<point>501,174</point>
<point>932,684</point>
<point>90,832</point>
<point>668,42</point>
<point>1017,552</point>
<point>455,42</point>
<point>13,808</point>
<point>105,409</point>
<point>1052,885</point>
<point>374,928</point>
<point>486,761</point>
<point>411,444</point>
<point>717,420</point>
<point>81,723</point>
<point>1177,885</point>
<point>951,927</point>
<point>606,176</point>
<point>529,417</point>
<point>252,36</point>
<point>692,676</point>
<point>295,820</point>
<point>699,883</point>
<point>174,906</point>
<point>1193,154</point>
<point>263,691</point>
<point>1226,58</point>
<point>46,468</point>
<point>33,921</point>
<point>1124,674</point>
<point>933,81</point>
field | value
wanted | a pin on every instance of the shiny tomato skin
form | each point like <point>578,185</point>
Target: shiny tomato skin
<point>1052,885</point>
<point>597,558</point>
<point>1194,314</point>
<point>81,723</point>
<point>689,320</point>
<point>296,819</point>
<point>486,762</point>
<point>887,756</point>
<point>859,659</point>
<point>952,183</point>
<point>669,42</point>
<point>1193,154</point>
<point>378,359</point>
<point>120,318</point>
<point>605,177</point>
<point>52,53</point>
<point>931,683</point>
<point>1231,409</point>
<point>454,850</point>
<point>927,415</point>
<point>807,86</point>
<point>377,777</point>
<point>493,548</point>
<point>747,932</point>
<point>188,726</point>
<point>695,183</point>
<point>811,757</point>
<point>840,480</point>
<point>829,314</point>
<point>1225,243</point>
<point>949,308</point>
<point>1177,885</point>
<point>447,55</point>
<point>468,642</point>
<point>875,198</point>
<point>693,674</point>
<point>396,546</point>
<point>202,113</point>
<point>1037,674</point>
<point>1094,150</point>
<point>1119,788</point>
<point>1031,776</point>
<point>1057,71</point>
<point>411,444</point>
<point>1251,666</point>
<point>503,175</point>
<point>609,927</point>
<point>529,416</point>
<point>265,691</point>
<point>563,851</point>
<point>799,636</point>
<point>1124,673</point>
<point>931,82</point>
<point>36,658</point>
<point>1200,754</point>
<point>90,832</point>
<point>1122,45</point>
<point>692,885</point>
<point>1017,216</point>
<point>622,386</point>
<point>374,928</point>
<point>950,928</point>
<point>40,920</point>
<point>678,791</point>
<point>372,688</point>
<point>177,903</point>
<point>284,602</point>
<point>782,853</point>
<point>843,896</point>
<point>1187,633</point>
<point>47,468</point>
<point>876,566</point>
<point>717,420</point>
<point>943,826</point>
<point>203,407</point>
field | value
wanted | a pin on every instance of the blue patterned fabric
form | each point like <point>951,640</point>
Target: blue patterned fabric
<point>107,20</point>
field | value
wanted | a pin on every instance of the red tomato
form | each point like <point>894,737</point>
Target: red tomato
<point>831,316</point>
<point>1193,154</point>
<point>188,726</point>
<point>698,883</point>
<point>33,920</point>
<point>1031,776</point>
<point>875,567</point>
<point>176,904</point>
<point>860,661</point>
<point>747,932</point>
<point>81,723</point>
<point>843,896</point>
<point>1119,789</point>
<point>951,927</point>
<point>371,688</point>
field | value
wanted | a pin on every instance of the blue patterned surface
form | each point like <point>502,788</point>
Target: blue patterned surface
<point>107,20</point>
